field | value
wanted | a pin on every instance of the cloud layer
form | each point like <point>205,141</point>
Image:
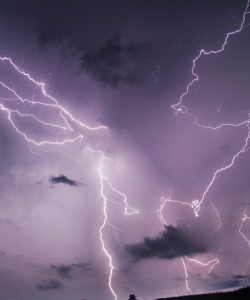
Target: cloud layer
<point>63,179</point>
<point>65,270</point>
<point>50,284</point>
<point>171,243</point>
<point>116,61</point>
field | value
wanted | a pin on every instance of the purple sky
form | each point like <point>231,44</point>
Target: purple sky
<point>124,191</point>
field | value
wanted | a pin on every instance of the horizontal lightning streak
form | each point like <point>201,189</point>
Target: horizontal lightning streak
<point>246,122</point>
<point>31,116</point>
<point>38,143</point>
<point>63,112</point>
<point>216,261</point>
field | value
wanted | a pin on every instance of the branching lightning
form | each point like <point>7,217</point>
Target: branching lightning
<point>128,210</point>
<point>181,108</point>
<point>164,223</point>
<point>215,261</point>
<point>67,118</point>
<point>66,128</point>
<point>217,213</point>
<point>245,217</point>
<point>65,115</point>
<point>196,204</point>
<point>163,203</point>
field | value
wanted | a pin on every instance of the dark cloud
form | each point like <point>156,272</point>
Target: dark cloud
<point>49,285</point>
<point>227,284</point>
<point>240,276</point>
<point>117,61</point>
<point>220,283</point>
<point>10,224</point>
<point>226,149</point>
<point>64,270</point>
<point>171,243</point>
<point>81,266</point>
<point>47,36</point>
<point>63,179</point>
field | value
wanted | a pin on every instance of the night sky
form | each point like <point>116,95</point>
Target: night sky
<point>118,176</point>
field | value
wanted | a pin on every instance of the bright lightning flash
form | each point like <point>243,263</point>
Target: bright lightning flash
<point>245,218</point>
<point>216,261</point>
<point>196,204</point>
<point>186,274</point>
<point>66,117</point>
<point>164,223</point>
<point>217,213</point>
<point>245,268</point>
<point>128,210</point>
<point>182,109</point>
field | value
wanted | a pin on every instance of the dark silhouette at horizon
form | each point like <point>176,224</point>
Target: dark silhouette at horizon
<point>242,294</point>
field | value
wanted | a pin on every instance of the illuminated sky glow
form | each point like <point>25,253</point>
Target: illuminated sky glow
<point>124,148</point>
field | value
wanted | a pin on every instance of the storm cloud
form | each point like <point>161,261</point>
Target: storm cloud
<point>124,65</point>
<point>63,179</point>
<point>65,270</point>
<point>49,285</point>
<point>235,281</point>
<point>116,61</point>
<point>170,243</point>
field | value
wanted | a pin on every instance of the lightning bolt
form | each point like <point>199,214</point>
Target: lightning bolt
<point>164,202</point>
<point>66,118</point>
<point>65,115</point>
<point>128,210</point>
<point>245,268</point>
<point>217,213</point>
<point>164,223</point>
<point>245,217</point>
<point>178,107</point>
<point>215,261</point>
<point>111,267</point>
<point>186,274</point>
<point>159,211</point>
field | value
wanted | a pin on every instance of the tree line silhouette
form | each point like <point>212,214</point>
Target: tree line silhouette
<point>241,294</point>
